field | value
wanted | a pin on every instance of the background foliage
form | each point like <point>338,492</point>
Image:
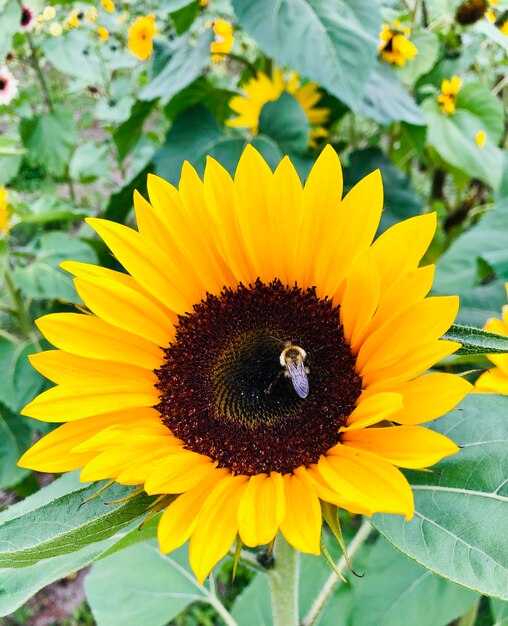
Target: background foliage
<point>87,118</point>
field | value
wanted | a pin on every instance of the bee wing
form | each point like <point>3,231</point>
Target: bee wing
<point>299,378</point>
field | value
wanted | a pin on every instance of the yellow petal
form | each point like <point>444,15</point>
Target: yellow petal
<point>178,472</point>
<point>406,446</point>
<point>368,479</point>
<point>89,336</point>
<point>66,403</point>
<point>126,308</point>
<point>360,299</point>
<point>374,409</point>
<point>422,321</point>
<point>217,525</point>
<point>179,519</point>
<point>111,463</point>
<point>261,509</point>
<point>301,525</point>
<point>493,381</point>
<point>428,397</point>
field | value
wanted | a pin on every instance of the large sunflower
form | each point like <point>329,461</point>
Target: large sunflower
<point>175,382</point>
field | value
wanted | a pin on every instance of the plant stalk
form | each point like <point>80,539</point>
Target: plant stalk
<point>25,323</point>
<point>333,581</point>
<point>283,579</point>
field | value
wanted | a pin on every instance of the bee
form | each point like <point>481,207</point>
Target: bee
<point>293,358</point>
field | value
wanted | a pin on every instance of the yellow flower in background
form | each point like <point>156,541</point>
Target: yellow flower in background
<point>91,15</point>
<point>73,19</point>
<point>504,27</point>
<point>48,13</point>
<point>395,46</point>
<point>55,29</point>
<point>103,33</point>
<point>203,3</point>
<point>108,5</point>
<point>141,34</point>
<point>224,39</point>
<point>491,16</point>
<point>229,371</point>
<point>4,211</point>
<point>495,380</point>
<point>480,138</point>
<point>263,89</point>
<point>448,96</point>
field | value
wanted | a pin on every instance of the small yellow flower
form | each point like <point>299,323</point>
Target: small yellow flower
<point>495,380</point>
<point>103,33</point>
<point>223,39</point>
<point>108,5</point>
<point>73,19</point>
<point>203,3</point>
<point>480,138</point>
<point>504,27</point>
<point>141,34</point>
<point>55,29</point>
<point>491,16</point>
<point>4,211</point>
<point>263,89</point>
<point>395,46</point>
<point>448,96</point>
<point>91,15</point>
<point>48,13</point>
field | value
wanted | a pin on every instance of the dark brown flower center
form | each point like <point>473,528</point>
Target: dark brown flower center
<point>26,16</point>
<point>3,84</point>
<point>225,393</point>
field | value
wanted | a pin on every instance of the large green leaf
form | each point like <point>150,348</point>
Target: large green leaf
<point>93,522</point>
<point>19,382</point>
<point>10,17</point>
<point>15,438</point>
<point>453,136</point>
<point>386,100</point>
<point>127,134</point>
<point>42,278</point>
<point>479,304</point>
<point>427,44</point>
<point>74,54</point>
<point>332,43</point>
<point>184,66</point>
<point>397,591</point>
<point>50,139</point>
<point>120,203</point>
<point>285,121</point>
<point>139,585</point>
<point>90,162</point>
<point>459,527</point>
<point>400,199</point>
<point>457,269</point>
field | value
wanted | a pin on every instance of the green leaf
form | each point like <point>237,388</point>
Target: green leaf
<point>184,66</point>
<point>480,303</point>
<point>89,163</point>
<point>42,278</point>
<point>121,202</point>
<point>427,44</point>
<point>477,340</point>
<point>499,612</point>
<point>50,139</point>
<point>127,134</point>
<point>15,439</point>
<point>397,591</point>
<point>458,530</point>
<point>185,16</point>
<point>453,138</point>
<point>84,525</point>
<point>201,91</point>
<point>74,54</point>
<point>332,43</point>
<point>400,201</point>
<point>139,585</point>
<point>482,103</point>
<point>253,605</point>
<point>10,17</point>
<point>386,100</point>
<point>285,121</point>
<point>19,382</point>
<point>457,269</point>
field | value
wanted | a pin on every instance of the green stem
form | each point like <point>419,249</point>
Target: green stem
<point>283,578</point>
<point>333,581</point>
<point>25,323</point>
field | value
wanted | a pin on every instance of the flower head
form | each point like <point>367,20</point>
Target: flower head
<point>223,43</point>
<point>4,211</point>
<point>263,89</point>
<point>141,34</point>
<point>8,86</point>
<point>448,95</point>
<point>242,361</point>
<point>495,380</point>
<point>74,19</point>
<point>28,19</point>
<point>108,5</point>
<point>395,46</point>
<point>103,33</point>
<point>55,29</point>
<point>48,13</point>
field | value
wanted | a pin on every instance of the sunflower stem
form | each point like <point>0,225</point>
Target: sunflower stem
<point>283,578</point>
<point>333,581</point>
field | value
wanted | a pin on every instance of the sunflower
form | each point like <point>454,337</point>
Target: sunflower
<point>263,89</point>
<point>223,40</point>
<point>395,46</point>
<point>448,96</point>
<point>495,380</point>
<point>141,34</point>
<point>253,358</point>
